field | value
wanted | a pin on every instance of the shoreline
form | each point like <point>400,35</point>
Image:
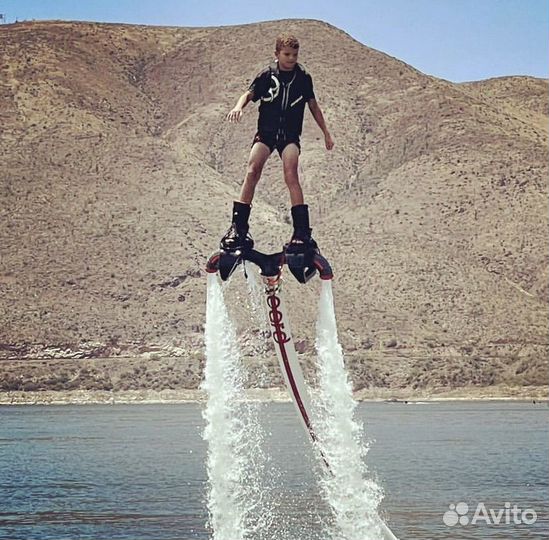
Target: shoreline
<point>276,395</point>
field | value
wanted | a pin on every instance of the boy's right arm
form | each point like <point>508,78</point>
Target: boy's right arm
<point>236,114</point>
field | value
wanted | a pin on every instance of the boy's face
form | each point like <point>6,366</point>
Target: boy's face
<point>287,58</point>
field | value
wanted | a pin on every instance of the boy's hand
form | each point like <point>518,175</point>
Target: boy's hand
<point>328,141</point>
<point>235,115</point>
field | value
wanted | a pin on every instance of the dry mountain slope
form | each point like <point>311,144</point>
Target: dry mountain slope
<point>119,170</point>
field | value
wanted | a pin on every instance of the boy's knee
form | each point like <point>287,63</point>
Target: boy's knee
<point>254,169</point>
<point>291,177</point>
<point>290,168</point>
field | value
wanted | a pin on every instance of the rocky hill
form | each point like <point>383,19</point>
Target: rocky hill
<point>118,172</point>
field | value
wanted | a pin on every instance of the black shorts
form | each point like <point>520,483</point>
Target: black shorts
<point>279,142</point>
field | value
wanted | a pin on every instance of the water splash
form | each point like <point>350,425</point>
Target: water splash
<point>353,497</point>
<point>243,497</point>
<point>235,461</point>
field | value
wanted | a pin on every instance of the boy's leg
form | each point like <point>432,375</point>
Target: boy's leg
<point>237,237</point>
<point>290,160</point>
<point>259,154</point>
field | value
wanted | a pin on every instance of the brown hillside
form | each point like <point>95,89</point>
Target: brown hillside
<point>119,170</point>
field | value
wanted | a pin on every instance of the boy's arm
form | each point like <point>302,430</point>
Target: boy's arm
<point>319,118</point>
<point>236,114</point>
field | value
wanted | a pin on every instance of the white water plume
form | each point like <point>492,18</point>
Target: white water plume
<point>235,460</point>
<point>353,497</point>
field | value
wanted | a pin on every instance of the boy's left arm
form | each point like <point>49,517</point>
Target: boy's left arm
<point>319,118</point>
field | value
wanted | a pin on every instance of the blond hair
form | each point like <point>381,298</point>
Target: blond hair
<point>286,40</point>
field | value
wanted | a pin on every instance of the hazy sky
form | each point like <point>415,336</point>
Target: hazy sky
<point>459,40</point>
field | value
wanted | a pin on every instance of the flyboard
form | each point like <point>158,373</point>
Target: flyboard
<point>303,266</point>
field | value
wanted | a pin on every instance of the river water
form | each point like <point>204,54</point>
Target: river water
<point>138,471</point>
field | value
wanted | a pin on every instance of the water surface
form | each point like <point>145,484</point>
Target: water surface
<point>138,471</point>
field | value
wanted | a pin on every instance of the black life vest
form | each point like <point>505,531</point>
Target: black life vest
<point>283,103</point>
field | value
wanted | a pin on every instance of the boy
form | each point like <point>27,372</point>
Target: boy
<point>283,87</point>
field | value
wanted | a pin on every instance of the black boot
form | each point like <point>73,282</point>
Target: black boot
<point>302,240</point>
<point>237,237</point>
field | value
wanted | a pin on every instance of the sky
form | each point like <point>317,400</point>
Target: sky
<point>458,40</point>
